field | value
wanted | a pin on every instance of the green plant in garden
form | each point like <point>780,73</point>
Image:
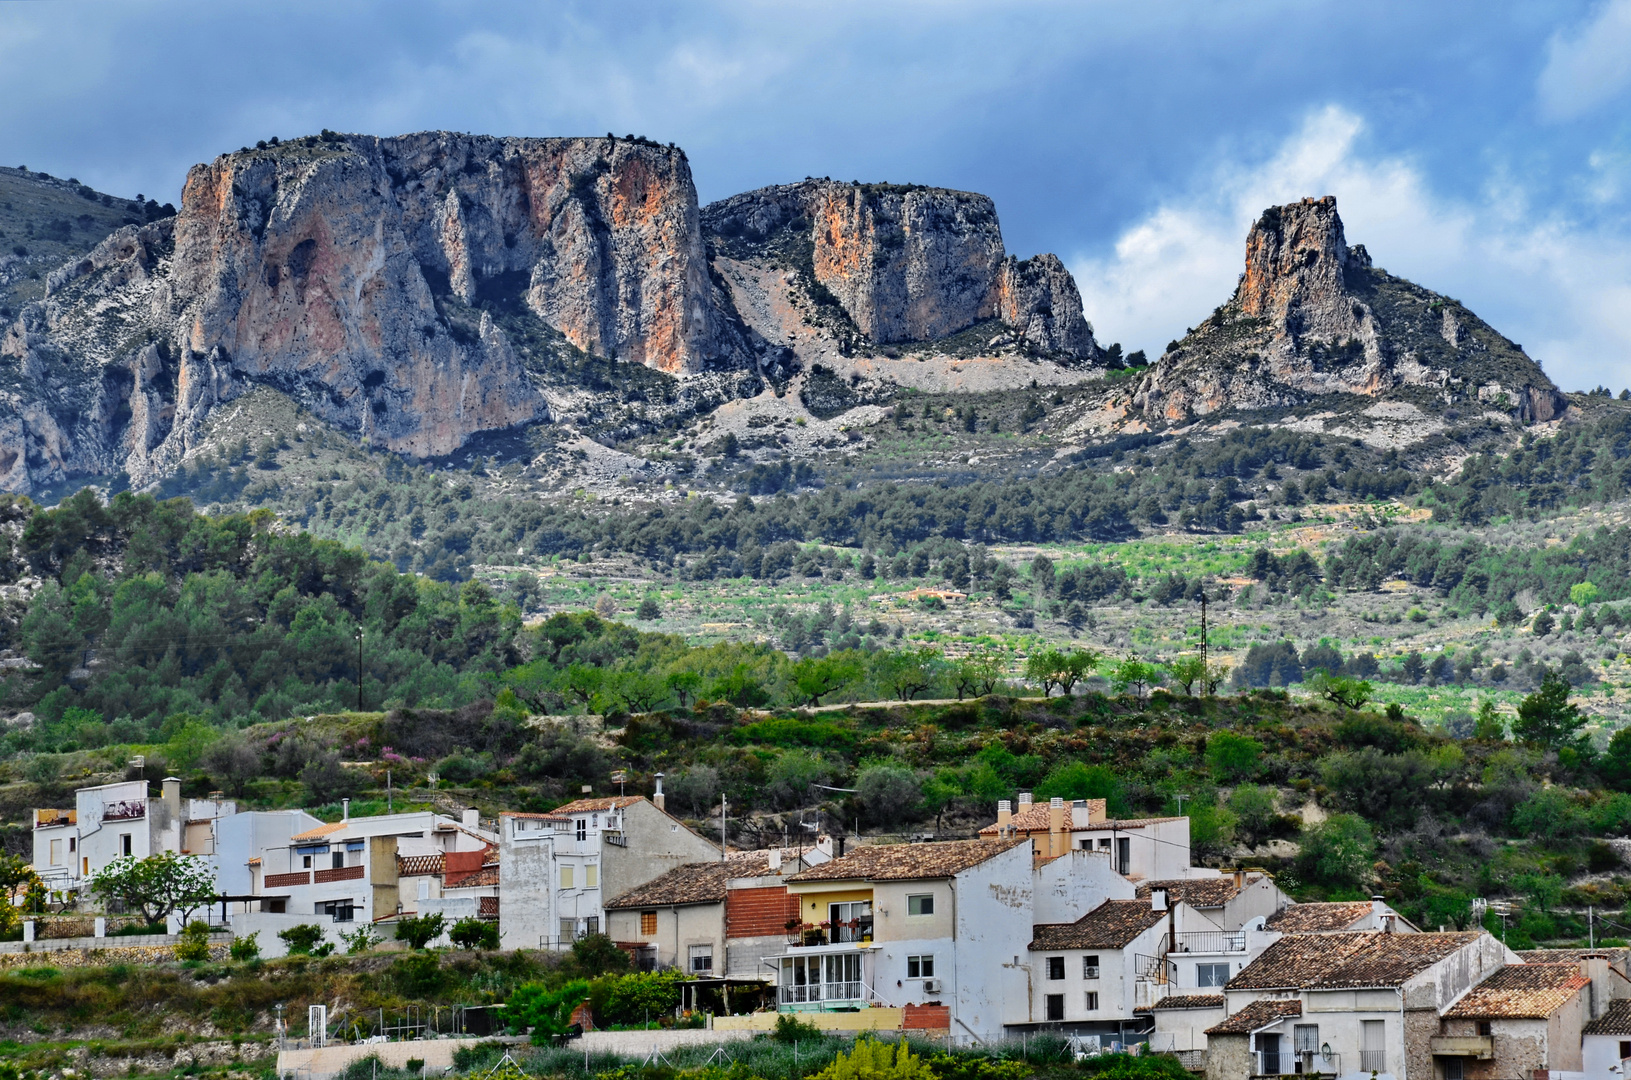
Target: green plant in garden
<point>474,934</point>
<point>302,939</point>
<point>194,944</point>
<point>873,1060</point>
<point>361,940</point>
<point>420,930</point>
<point>245,948</point>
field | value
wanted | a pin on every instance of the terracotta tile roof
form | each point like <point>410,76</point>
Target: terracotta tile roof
<point>1186,1001</point>
<point>1344,961</point>
<point>1256,1016</point>
<point>590,806</point>
<point>1318,918</point>
<point>1111,925</point>
<point>486,877</point>
<point>1616,1021</point>
<point>320,831</point>
<point>908,862</point>
<point>1196,892</point>
<point>1521,992</point>
<point>1615,955</point>
<point>532,817</point>
<point>695,883</point>
<point>418,865</point>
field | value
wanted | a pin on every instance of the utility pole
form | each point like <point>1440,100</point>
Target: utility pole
<point>1206,666</point>
<point>722,855</point>
<point>359,669</point>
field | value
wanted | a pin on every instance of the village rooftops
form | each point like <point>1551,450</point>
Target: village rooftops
<point>1347,961</point>
<point>907,862</point>
<point>699,883</point>
<point>1618,954</point>
<point>1211,892</point>
<point>1114,924</point>
<point>1318,918</point>
<point>1184,1001</point>
<point>1256,1016</point>
<point>1615,1021</point>
<point>1035,820</point>
<point>598,806</point>
<point>1521,992</point>
<point>533,817</point>
<point>415,823</point>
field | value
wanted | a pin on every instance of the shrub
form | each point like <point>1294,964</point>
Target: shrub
<point>420,930</point>
<point>195,942</point>
<point>1339,851</point>
<point>1548,814</point>
<point>888,793</point>
<point>245,948</point>
<point>301,939</point>
<point>1233,757</point>
<point>360,940</point>
<point>474,934</point>
<point>873,1060</point>
<point>790,1029</point>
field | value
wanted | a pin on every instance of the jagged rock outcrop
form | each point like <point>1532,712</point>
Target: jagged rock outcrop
<point>905,263</point>
<point>1312,315</point>
<point>361,275</point>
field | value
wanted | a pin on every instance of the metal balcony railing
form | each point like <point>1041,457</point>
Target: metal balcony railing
<point>1212,941</point>
<point>1373,1061</point>
<point>1295,1063</point>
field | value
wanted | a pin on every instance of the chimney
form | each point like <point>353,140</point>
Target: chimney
<point>1024,801</point>
<point>1057,836</point>
<point>824,845</point>
<point>776,860</point>
<point>345,809</point>
<point>472,818</point>
<point>172,797</point>
<point>658,799</point>
<point>1158,899</point>
<point>1240,879</point>
<point>1380,910</point>
<point>1595,968</point>
<point>1005,816</point>
<point>841,840</point>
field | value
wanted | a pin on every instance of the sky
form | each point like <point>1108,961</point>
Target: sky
<point>1480,149</point>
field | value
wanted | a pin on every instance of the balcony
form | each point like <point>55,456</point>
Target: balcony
<point>286,881</point>
<point>1212,941</point>
<point>339,873</point>
<point>1300,1063</point>
<point>1481,1047</point>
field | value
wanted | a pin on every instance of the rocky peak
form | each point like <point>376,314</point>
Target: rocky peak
<point>1313,316</point>
<point>907,263</point>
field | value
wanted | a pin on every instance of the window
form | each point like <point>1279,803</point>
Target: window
<point>569,929</point>
<point>1483,1031</point>
<point>1305,1040</point>
<point>592,924</point>
<point>1090,967</point>
<point>648,924</point>
<point>338,910</point>
<point>56,853</point>
<point>1053,1007</point>
<point>566,877</point>
<point>73,843</point>
<point>1372,1047</point>
<point>820,978</point>
<point>702,959</point>
<point>1104,843</point>
<point>1056,968</point>
<point>1211,974</point>
<point>850,921</point>
<point>337,860</point>
<point>1454,1069</point>
<point>1625,1050</point>
<point>305,862</point>
<point>124,843</point>
<point>1087,845</point>
<point>1090,1001</point>
<point>921,904</point>
<point>920,967</point>
<point>583,828</point>
<point>591,876</point>
<point>1124,854</point>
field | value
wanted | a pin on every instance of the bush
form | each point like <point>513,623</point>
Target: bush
<point>890,794</point>
<point>1233,757</point>
<point>420,930</point>
<point>1548,814</point>
<point>873,1060</point>
<point>195,942</point>
<point>1339,851</point>
<point>474,934</point>
<point>301,939</point>
<point>790,1029</point>
<point>245,948</point>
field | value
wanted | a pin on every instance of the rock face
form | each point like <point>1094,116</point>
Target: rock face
<point>1313,316</point>
<point>906,263</point>
<point>361,275</point>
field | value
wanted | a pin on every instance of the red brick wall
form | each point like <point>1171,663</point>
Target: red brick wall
<point>759,912</point>
<point>926,1018</point>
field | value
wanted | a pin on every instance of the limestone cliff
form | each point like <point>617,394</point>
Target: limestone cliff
<point>1313,316</point>
<point>904,263</point>
<point>362,275</point>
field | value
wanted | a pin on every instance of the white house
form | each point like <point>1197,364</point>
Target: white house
<point>945,925</point>
<point>556,870</point>
<point>111,821</point>
<point>1524,1020</point>
<point>1230,898</point>
<point>1138,848</point>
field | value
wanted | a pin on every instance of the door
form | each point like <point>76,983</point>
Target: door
<point>1372,1046</point>
<point>1124,854</point>
<point>1269,1048</point>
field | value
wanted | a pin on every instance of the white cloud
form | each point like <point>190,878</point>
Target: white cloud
<point>1559,290</point>
<point>1589,66</point>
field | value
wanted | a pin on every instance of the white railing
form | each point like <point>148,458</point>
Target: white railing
<point>1296,1063</point>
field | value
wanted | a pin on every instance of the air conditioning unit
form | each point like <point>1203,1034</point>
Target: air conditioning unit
<point>931,986</point>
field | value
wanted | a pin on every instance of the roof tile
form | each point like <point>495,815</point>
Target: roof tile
<point>1112,925</point>
<point>1186,1001</point>
<point>1521,991</point>
<point>1318,918</point>
<point>1340,961</point>
<point>1196,892</point>
<point>694,883</point>
<point>1256,1016</point>
<point>1616,1021</point>
<point>907,862</point>
<point>591,806</point>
